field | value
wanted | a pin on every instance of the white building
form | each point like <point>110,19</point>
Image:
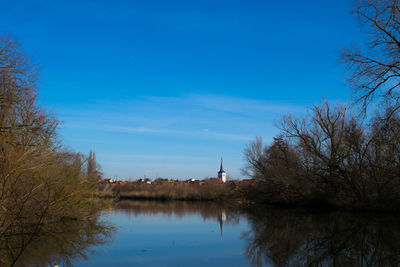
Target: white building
<point>222,173</point>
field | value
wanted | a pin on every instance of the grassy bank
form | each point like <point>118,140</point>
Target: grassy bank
<point>245,194</point>
<point>205,190</point>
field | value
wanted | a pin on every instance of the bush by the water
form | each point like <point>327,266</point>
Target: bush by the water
<point>330,158</point>
<point>40,182</point>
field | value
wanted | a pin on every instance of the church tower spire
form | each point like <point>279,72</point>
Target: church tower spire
<point>222,173</point>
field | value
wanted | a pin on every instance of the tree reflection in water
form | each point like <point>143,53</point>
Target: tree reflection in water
<point>295,238</point>
<point>207,210</point>
<point>280,237</point>
<point>55,244</point>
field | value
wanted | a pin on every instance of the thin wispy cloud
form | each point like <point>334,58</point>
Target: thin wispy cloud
<point>179,79</point>
<point>208,126</point>
<point>228,103</point>
<point>142,130</point>
<point>172,110</point>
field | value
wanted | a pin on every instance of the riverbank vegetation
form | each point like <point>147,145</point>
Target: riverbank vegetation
<point>338,156</point>
<point>40,181</point>
<point>201,190</point>
<point>332,159</point>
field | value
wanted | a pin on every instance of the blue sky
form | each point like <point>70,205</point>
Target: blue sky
<point>165,88</point>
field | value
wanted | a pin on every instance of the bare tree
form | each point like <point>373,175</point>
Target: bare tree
<point>39,181</point>
<point>93,169</point>
<point>375,68</point>
<point>331,157</point>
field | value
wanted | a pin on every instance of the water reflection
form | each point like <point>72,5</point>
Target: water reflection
<point>207,210</point>
<point>293,237</point>
<point>222,219</point>
<point>56,244</point>
<point>197,234</point>
<point>296,238</point>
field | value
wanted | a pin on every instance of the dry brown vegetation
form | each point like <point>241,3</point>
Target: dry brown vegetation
<point>40,182</point>
<point>205,190</point>
<point>332,159</point>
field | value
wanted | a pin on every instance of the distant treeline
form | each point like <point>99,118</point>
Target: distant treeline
<point>200,190</point>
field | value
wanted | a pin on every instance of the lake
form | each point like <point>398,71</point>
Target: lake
<point>152,233</point>
<point>173,234</point>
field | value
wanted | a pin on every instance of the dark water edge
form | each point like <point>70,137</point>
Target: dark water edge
<point>58,243</point>
<point>293,237</point>
<point>267,236</point>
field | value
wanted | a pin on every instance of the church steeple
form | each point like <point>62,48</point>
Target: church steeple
<point>222,173</point>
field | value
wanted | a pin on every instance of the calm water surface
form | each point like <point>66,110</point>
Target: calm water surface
<point>204,234</point>
<point>173,234</point>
